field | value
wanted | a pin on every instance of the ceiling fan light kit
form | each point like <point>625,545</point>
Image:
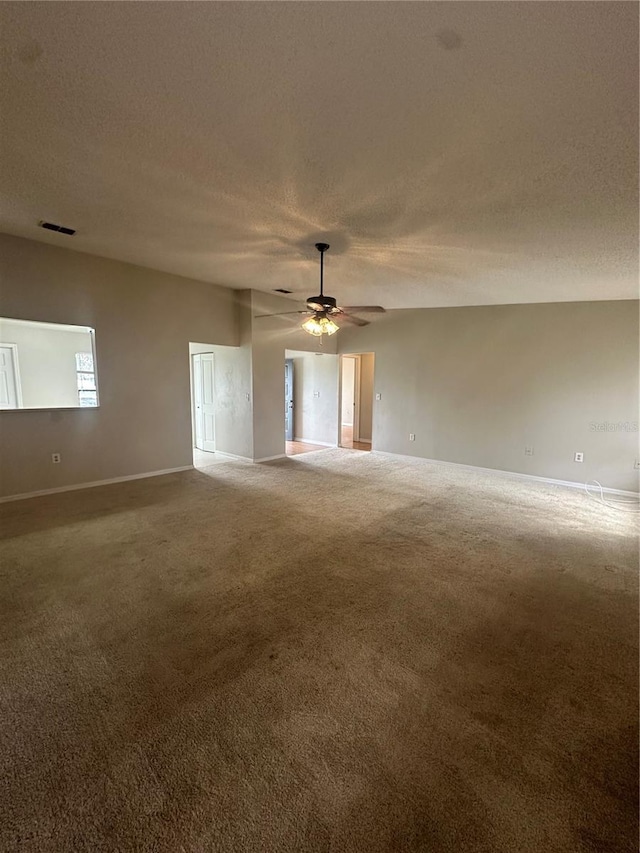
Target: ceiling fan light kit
<point>319,325</point>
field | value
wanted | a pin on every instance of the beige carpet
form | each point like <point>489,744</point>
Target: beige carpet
<point>341,651</point>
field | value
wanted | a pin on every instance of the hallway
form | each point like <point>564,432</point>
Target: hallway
<point>346,439</point>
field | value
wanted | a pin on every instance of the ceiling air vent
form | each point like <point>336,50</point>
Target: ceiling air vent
<point>51,226</point>
<point>282,290</point>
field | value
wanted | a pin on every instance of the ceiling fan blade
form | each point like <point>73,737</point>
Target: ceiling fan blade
<point>356,321</point>
<point>374,309</point>
<point>280,314</point>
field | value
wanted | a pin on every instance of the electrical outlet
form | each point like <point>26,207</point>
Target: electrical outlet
<point>55,458</point>
<point>378,396</point>
<point>316,393</point>
<point>412,436</point>
<point>578,457</point>
<point>528,451</point>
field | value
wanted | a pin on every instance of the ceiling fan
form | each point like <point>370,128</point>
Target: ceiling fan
<point>323,308</point>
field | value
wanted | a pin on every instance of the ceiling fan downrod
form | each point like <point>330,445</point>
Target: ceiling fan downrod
<point>322,248</point>
<point>323,308</point>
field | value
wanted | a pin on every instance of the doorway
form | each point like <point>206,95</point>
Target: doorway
<point>203,406</point>
<point>310,401</point>
<point>288,399</point>
<point>356,400</point>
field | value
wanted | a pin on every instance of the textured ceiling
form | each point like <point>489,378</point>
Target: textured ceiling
<point>452,153</point>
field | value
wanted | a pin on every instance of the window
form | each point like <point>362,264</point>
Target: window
<point>86,377</point>
<point>57,367</point>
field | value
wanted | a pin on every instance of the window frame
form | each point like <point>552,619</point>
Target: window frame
<point>93,373</point>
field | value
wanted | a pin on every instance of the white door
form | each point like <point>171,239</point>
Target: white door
<point>204,401</point>
<point>9,386</point>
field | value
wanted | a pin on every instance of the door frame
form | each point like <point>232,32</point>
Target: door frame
<point>289,403</point>
<point>16,373</point>
<point>357,367</point>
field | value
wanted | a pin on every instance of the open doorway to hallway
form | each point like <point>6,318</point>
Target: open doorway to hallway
<point>311,404</point>
<point>356,400</point>
<point>201,358</point>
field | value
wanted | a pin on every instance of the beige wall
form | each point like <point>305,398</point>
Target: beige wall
<point>144,321</point>
<point>315,396</point>
<point>233,421</point>
<point>478,385</point>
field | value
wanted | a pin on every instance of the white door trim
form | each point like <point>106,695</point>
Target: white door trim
<point>357,374</point>
<point>16,372</point>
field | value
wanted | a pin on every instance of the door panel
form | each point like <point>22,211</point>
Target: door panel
<point>208,403</point>
<point>204,401</point>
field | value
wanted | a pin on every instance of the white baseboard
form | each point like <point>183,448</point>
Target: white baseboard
<point>515,474</point>
<point>24,495</point>
<point>313,441</point>
<point>233,456</point>
<point>571,484</point>
<point>249,459</point>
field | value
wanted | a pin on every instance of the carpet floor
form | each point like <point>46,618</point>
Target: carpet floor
<point>338,651</point>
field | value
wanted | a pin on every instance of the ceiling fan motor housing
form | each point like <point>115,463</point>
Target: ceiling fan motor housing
<point>321,303</point>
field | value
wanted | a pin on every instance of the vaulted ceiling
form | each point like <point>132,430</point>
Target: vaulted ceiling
<point>452,153</point>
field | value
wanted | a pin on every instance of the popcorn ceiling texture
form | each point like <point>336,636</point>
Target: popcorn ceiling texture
<point>337,652</point>
<point>451,153</point>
